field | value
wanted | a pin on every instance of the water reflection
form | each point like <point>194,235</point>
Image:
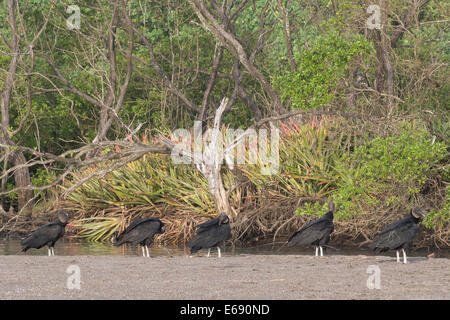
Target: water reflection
<point>82,248</point>
<point>68,247</point>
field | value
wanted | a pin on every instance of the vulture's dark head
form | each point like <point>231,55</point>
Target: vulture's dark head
<point>162,228</point>
<point>331,206</point>
<point>63,216</point>
<point>223,218</point>
<point>417,213</point>
<point>114,237</point>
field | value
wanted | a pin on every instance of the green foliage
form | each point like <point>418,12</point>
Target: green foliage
<point>154,182</point>
<point>41,178</point>
<point>97,228</point>
<point>395,166</point>
<point>240,117</point>
<point>401,158</point>
<point>308,157</point>
<point>12,196</point>
<point>309,154</point>
<point>319,71</point>
<point>439,218</point>
<point>312,209</point>
<point>315,159</point>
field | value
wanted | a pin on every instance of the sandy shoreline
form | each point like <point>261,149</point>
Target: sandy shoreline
<point>231,277</point>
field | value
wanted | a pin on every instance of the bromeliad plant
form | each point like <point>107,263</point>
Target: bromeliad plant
<point>154,181</point>
<point>308,157</point>
<point>151,184</point>
<point>308,154</point>
<point>97,228</point>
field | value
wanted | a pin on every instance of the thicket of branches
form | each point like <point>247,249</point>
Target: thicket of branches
<point>69,97</point>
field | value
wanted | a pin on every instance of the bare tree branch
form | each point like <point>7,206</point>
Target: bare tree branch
<point>191,106</point>
<point>235,47</point>
<point>287,31</point>
<point>404,24</point>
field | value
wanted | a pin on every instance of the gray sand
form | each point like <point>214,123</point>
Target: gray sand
<point>231,277</point>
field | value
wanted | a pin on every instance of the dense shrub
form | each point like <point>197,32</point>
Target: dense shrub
<point>319,70</point>
<point>387,171</point>
<point>317,161</point>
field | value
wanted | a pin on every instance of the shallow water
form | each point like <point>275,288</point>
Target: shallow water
<point>67,247</point>
<point>83,248</point>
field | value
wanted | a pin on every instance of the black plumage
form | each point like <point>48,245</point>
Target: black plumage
<point>140,231</point>
<point>398,235</point>
<point>211,234</point>
<point>47,234</point>
<point>315,233</point>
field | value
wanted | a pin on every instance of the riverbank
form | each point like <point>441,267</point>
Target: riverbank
<point>231,277</point>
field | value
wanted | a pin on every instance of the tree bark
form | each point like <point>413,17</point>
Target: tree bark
<point>21,175</point>
<point>22,179</point>
<point>220,195</point>
<point>209,162</point>
<point>237,76</point>
<point>3,183</point>
<point>384,74</point>
<point>287,32</point>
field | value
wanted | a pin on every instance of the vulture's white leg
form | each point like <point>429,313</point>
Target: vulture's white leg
<point>148,253</point>
<point>53,251</point>
<point>49,252</point>
<point>143,251</point>
<point>321,251</point>
<point>398,256</point>
<point>404,256</point>
<point>209,251</point>
<point>317,251</point>
<point>218,252</point>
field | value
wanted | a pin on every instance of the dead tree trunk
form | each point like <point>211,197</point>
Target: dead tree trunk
<point>22,180</point>
<point>209,162</point>
<point>212,163</point>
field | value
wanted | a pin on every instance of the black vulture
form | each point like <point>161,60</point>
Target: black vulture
<point>398,235</point>
<point>140,231</point>
<point>47,234</point>
<point>315,233</point>
<point>211,234</point>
